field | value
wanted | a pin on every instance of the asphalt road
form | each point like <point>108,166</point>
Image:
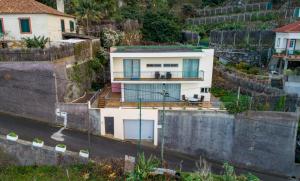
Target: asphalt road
<point>102,147</point>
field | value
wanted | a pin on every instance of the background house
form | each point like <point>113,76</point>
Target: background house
<point>28,18</point>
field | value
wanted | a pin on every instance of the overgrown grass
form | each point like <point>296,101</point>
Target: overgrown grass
<point>230,100</point>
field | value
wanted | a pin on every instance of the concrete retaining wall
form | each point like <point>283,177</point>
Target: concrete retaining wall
<point>28,89</point>
<point>241,139</point>
<point>26,154</point>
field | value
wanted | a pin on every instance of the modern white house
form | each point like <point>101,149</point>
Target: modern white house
<point>185,73</point>
<point>28,18</point>
<point>142,75</point>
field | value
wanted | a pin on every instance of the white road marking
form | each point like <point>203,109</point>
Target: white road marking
<point>58,136</point>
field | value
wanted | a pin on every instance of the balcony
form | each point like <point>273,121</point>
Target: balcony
<point>159,76</point>
<point>292,55</point>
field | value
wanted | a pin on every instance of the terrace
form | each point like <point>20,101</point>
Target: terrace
<point>109,99</point>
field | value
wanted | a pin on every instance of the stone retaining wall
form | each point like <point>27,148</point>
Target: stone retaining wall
<point>26,154</point>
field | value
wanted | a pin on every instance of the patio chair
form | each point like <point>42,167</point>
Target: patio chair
<point>157,75</point>
<point>168,75</point>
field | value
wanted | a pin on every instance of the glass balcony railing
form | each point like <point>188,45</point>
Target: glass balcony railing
<point>160,75</point>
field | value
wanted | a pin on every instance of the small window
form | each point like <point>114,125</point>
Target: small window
<point>1,26</point>
<point>292,43</point>
<point>153,65</point>
<point>170,65</point>
<point>62,24</point>
<point>205,90</point>
<point>72,26</point>
<point>25,25</point>
<point>278,42</point>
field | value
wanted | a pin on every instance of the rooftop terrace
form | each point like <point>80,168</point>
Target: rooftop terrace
<point>157,48</point>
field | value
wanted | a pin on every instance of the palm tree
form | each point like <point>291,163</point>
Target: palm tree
<point>88,10</point>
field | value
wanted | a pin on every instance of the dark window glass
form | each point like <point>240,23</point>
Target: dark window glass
<point>62,24</point>
<point>72,26</point>
<point>153,65</point>
<point>1,26</point>
<point>25,25</point>
<point>170,65</point>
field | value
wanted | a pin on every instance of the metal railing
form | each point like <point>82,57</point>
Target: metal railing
<point>287,52</point>
<point>160,75</point>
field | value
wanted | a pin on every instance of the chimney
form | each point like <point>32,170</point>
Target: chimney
<point>60,6</point>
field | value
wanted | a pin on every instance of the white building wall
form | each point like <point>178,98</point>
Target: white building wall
<point>188,88</point>
<point>282,39</point>
<point>41,25</point>
<point>120,114</point>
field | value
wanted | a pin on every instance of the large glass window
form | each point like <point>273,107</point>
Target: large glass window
<point>190,68</point>
<point>25,25</point>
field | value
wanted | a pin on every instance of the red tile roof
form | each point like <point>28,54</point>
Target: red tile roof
<point>290,28</point>
<point>27,7</point>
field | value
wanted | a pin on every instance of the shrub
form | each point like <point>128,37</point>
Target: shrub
<point>38,140</point>
<point>144,167</point>
<point>12,134</point>
<point>110,37</point>
<point>61,146</point>
<point>36,42</point>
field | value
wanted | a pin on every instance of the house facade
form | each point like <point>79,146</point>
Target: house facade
<point>144,73</point>
<point>148,77</point>
<point>28,18</point>
<point>287,56</point>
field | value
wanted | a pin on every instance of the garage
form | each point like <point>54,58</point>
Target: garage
<point>131,129</point>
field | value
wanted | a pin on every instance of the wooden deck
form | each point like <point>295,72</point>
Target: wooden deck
<point>115,101</point>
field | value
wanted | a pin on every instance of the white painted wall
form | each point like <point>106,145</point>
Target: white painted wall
<point>188,88</point>
<point>282,39</point>
<point>41,25</point>
<point>120,114</point>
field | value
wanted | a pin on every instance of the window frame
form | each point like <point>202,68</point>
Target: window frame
<point>171,65</point>
<point>2,25</point>
<point>72,29</point>
<point>278,42</point>
<point>62,28</point>
<point>153,65</point>
<point>20,25</point>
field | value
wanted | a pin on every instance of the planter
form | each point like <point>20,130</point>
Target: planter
<point>61,148</point>
<point>84,153</point>
<point>12,136</point>
<point>38,143</point>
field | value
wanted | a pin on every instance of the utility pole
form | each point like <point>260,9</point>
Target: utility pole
<point>140,122</point>
<point>164,93</point>
<point>238,96</point>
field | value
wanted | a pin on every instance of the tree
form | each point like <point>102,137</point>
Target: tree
<point>161,26</point>
<point>88,10</point>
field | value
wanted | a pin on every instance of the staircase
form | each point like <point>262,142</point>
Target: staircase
<point>102,98</point>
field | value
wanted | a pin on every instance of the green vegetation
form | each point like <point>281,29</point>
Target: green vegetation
<point>161,26</point>
<point>112,170</point>
<point>244,67</point>
<point>61,146</point>
<point>230,100</point>
<point>36,42</point>
<point>84,151</point>
<point>12,134</point>
<point>37,140</point>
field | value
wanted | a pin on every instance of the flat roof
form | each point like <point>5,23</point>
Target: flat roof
<point>157,48</point>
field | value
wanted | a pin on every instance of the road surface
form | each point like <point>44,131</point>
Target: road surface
<point>102,147</point>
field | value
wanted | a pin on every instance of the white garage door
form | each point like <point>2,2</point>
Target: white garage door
<point>131,129</point>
